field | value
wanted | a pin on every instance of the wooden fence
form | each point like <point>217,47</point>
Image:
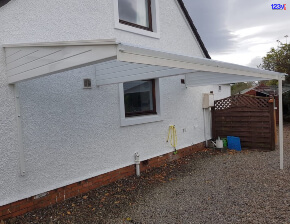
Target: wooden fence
<point>248,117</point>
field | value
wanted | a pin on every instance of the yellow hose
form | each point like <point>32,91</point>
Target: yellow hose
<point>172,136</point>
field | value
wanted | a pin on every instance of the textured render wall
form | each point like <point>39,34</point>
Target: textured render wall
<point>175,34</point>
<point>62,20</point>
<point>71,134</point>
<point>9,169</point>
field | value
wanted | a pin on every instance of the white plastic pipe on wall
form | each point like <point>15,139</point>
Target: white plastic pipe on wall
<point>281,144</point>
<point>210,122</point>
<point>19,130</point>
<point>205,129</point>
<point>137,162</point>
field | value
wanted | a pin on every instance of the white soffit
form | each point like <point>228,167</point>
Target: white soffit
<point>28,61</point>
<point>119,72</point>
<point>210,78</point>
<point>117,63</point>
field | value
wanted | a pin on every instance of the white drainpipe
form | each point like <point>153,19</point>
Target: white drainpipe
<point>19,131</point>
<point>137,162</point>
<point>204,124</point>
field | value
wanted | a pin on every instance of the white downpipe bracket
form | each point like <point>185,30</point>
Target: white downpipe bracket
<point>137,162</point>
<point>19,130</point>
<point>281,144</point>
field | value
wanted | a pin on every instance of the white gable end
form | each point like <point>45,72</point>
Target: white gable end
<point>174,32</point>
<point>46,21</point>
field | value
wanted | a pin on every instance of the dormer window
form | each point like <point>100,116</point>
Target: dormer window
<point>136,13</point>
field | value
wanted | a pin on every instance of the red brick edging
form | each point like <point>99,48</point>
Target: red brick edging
<point>52,197</point>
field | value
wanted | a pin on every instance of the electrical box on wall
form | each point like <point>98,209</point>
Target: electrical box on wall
<point>208,100</point>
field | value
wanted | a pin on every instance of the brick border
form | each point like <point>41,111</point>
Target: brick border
<point>58,195</point>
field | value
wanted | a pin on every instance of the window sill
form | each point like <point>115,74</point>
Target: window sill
<point>140,120</point>
<point>131,29</point>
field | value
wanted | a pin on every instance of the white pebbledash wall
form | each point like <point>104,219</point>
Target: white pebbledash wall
<point>71,133</point>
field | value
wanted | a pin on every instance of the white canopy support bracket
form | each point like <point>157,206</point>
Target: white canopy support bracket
<point>19,131</point>
<point>281,143</point>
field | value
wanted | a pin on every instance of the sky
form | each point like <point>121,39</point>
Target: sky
<point>240,31</point>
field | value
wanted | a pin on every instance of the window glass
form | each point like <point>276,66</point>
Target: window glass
<point>134,11</point>
<point>139,98</point>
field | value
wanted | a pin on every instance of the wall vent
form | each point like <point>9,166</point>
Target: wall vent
<point>145,162</point>
<point>87,84</point>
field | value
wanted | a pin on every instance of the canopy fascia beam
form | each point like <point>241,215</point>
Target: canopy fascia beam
<point>134,54</point>
<point>213,78</point>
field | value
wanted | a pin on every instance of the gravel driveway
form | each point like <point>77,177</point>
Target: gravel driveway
<point>245,187</point>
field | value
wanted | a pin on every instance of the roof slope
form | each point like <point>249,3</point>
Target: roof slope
<point>3,2</point>
<point>194,29</point>
<point>267,90</point>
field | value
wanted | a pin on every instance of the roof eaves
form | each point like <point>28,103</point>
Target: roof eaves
<point>194,30</point>
<point>247,90</point>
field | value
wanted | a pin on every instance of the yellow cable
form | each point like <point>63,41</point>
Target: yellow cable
<point>172,136</point>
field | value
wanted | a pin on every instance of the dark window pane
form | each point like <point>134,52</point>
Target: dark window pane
<point>138,97</point>
<point>134,11</point>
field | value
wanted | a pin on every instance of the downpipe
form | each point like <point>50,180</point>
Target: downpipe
<point>204,125</point>
<point>137,162</point>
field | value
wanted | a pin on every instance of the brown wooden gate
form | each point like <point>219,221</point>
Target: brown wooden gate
<point>248,117</point>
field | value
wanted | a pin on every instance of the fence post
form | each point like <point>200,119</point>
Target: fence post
<point>213,125</point>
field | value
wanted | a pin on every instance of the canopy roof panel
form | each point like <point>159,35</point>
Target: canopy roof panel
<point>117,63</point>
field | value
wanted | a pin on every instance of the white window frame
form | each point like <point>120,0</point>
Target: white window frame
<point>127,121</point>
<point>131,29</point>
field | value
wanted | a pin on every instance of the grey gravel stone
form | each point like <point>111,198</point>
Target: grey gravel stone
<point>245,187</point>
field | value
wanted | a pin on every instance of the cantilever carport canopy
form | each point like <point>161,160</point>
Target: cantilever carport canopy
<point>119,63</point>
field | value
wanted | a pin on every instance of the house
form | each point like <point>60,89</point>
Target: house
<point>267,91</point>
<point>85,85</point>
